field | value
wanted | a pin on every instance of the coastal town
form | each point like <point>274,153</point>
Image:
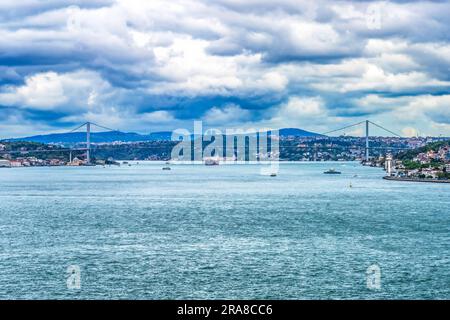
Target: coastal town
<point>429,163</point>
<point>35,162</point>
<point>402,158</point>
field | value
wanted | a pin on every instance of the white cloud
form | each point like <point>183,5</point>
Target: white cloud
<point>160,116</point>
<point>409,132</point>
<point>299,107</point>
<point>272,80</point>
<point>68,92</point>
<point>41,91</point>
<point>187,68</point>
<point>375,78</point>
<point>230,114</point>
<point>422,114</point>
<point>435,108</point>
<point>301,112</point>
<point>407,108</point>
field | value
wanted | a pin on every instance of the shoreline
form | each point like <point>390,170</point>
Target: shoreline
<point>416,180</point>
<point>137,162</point>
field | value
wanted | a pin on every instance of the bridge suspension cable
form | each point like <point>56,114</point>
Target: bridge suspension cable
<point>106,128</point>
<point>366,122</point>
<point>359,123</point>
<point>392,132</point>
<point>80,126</point>
<point>340,129</point>
<point>95,124</point>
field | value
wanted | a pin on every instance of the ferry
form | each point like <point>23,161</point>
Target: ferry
<point>332,171</point>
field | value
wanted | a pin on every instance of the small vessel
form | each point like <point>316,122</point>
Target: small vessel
<point>211,162</point>
<point>166,168</point>
<point>332,171</point>
<point>273,174</point>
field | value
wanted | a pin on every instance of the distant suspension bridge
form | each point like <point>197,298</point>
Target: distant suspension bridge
<point>88,146</point>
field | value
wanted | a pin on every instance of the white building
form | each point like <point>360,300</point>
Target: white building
<point>16,163</point>
<point>389,165</point>
<point>5,163</point>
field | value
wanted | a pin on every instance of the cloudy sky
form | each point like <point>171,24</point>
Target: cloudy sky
<point>158,65</point>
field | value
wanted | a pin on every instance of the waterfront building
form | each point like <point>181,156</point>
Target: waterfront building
<point>76,162</point>
<point>16,163</point>
<point>5,163</point>
<point>430,173</point>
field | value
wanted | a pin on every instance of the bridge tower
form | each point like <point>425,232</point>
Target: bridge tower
<point>88,142</point>
<point>367,141</point>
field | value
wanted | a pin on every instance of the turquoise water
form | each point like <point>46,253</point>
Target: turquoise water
<point>222,232</point>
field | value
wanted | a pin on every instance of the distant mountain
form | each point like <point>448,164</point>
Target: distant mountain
<point>111,136</point>
<point>163,135</point>
<point>96,137</point>
<point>294,132</point>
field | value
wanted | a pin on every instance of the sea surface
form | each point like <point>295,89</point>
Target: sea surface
<point>221,232</point>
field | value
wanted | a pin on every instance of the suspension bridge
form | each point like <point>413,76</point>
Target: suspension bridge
<point>367,124</point>
<point>87,148</point>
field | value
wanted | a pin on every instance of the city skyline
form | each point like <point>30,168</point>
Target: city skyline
<point>158,66</point>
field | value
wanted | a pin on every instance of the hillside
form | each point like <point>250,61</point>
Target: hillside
<point>411,154</point>
<point>294,132</point>
<point>96,137</point>
<point>111,136</point>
